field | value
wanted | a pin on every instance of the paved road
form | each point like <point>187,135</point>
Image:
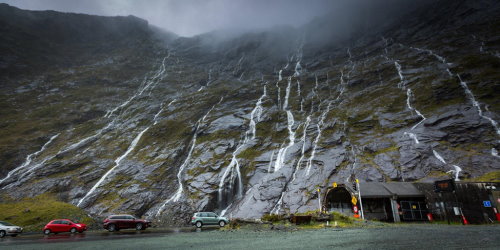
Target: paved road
<point>39,238</point>
<point>391,237</point>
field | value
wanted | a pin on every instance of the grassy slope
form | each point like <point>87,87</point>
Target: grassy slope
<point>33,213</point>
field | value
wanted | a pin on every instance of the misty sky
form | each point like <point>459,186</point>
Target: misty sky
<point>191,17</point>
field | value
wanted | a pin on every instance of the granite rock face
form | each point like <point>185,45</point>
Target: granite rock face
<point>254,124</point>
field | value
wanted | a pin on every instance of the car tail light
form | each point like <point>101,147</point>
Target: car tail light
<point>193,218</point>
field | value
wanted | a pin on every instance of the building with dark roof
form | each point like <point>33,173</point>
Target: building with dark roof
<point>404,201</point>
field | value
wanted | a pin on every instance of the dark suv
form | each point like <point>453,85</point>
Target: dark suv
<point>123,221</point>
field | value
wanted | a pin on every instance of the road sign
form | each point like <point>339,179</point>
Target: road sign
<point>334,184</point>
<point>487,203</point>
<point>355,209</point>
<point>354,200</point>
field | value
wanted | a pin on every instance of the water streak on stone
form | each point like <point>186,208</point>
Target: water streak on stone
<point>180,189</point>
<point>29,159</point>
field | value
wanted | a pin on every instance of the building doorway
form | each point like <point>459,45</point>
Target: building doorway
<point>338,200</point>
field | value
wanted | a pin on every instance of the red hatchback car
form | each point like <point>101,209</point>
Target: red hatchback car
<point>63,225</point>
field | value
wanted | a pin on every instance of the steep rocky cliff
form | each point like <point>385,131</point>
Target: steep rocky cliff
<point>246,125</point>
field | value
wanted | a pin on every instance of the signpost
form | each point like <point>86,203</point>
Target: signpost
<point>360,202</point>
<point>487,203</point>
<point>445,186</point>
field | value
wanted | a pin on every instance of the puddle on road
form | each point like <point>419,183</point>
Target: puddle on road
<point>99,235</point>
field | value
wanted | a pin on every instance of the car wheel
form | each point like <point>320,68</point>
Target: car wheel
<point>111,227</point>
<point>73,230</point>
<point>199,224</point>
<point>222,223</point>
<point>138,226</point>
<point>46,231</point>
<point>2,234</point>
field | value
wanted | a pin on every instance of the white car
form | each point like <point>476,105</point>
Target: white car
<point>9,229</point>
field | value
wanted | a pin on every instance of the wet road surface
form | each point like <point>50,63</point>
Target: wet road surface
<point>38,238</point>
<point>387,237</point>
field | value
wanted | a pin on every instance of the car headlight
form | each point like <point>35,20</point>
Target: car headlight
<point>78,225</point>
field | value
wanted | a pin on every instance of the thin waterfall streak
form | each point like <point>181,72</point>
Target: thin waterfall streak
<point>287,93</point>
<point>298,88</point>
<point>280,160</point>
<point>471,97</point>
<point>117,163</point>
<point>270,162</point>
<point>230,170</point>
<point>438,156</point>
<point>144,86</point>
<point>84,141</point>
<point>279,92</point>
<point>209,77</point>
<point>255,115</point>
<point>178,194</point>
<point>298,69</point>
<point>304,134</point>
<point>409,95</point>
<point>313,152</point>
<point>276,209</point>
<point>401,83</point>
<point>223,212</point>
<point>457,171</point>
<point>494,152</point>
<point>316,140</point>
<point>412,136</point>
<point>234,164</point>
<point>464,85</point>
<point>29,158</point>
<point>315,82</point>
<point>291,134</point>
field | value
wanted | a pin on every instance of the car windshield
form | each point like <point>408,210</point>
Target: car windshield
<point>4,223</point>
